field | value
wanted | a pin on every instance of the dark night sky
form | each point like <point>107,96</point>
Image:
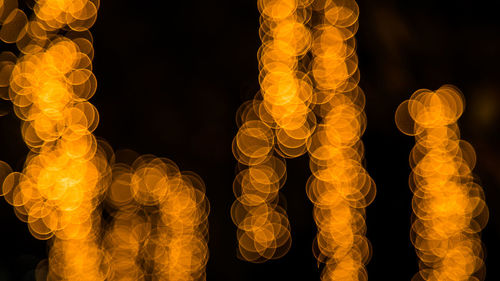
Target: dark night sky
<point>171,77</point>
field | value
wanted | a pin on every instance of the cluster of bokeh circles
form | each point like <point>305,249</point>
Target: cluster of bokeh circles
<point>339,187</point>
<point>309,102</point>
<point>448,205</point>
<point>156,225</point>
<point>273,126</point>
<point>158,228</point>
<point>65,174</point>
<point>50,17</point>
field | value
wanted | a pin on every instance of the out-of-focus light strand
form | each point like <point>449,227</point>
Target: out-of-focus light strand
<point>449,210</point>
<point>339,187</point>
<point>274,126</point>
<point>159,226</point>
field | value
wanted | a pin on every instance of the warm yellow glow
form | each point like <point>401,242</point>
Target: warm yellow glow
<point>159,214</point>
<point>275,125</point>
<point>63,179</point>
<point>309,102</point>
<point>160,225</point>
<point>281,122</point>
<point>340,187</point>
<point>448,205</point>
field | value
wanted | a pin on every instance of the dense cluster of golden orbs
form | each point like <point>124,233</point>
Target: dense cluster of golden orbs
<point>309,102</point>
<point>448,206</point>
<point>66,171</point>
<point>339,187</point>
<point>50,16</point>
<point>275,125</point>
<point>159,228</point>
<point>263,227</point>
<point>123,243</point>
<point>159,215</point>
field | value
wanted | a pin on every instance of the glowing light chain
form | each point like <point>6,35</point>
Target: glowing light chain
<point>340,187</point>
<point>63,178</point>
<point>161,219</point>
<point>160,226</point>
<point>282,122</point>
<point>275,125</point>
<point>448,206</point>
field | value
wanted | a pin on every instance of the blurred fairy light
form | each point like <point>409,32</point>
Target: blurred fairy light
<point>282,122</point>
<point>159,214</point>
<point>448,206</point>
<point>339,187</point>
<point>309,102</point>
<point>65,173</point>
<point>274,126</point>
<point>159,226</point>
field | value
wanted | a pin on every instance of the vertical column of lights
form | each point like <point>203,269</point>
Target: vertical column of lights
<point>167,242</point>
<point>129,229</point>
<point>275,125</point>
<point>339,187</point>
<point>448,206</point>
<point>159,226</point>
<point>66,170</point>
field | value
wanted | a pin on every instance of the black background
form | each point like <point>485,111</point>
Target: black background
<point>171,75</point>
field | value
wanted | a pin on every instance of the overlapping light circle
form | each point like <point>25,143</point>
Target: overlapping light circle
<point>448,205</point>
<point>309,102</point>
<point>158,228</point>
<point>339,187</point>
<point>64,176</point>
<point>274,126</point>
